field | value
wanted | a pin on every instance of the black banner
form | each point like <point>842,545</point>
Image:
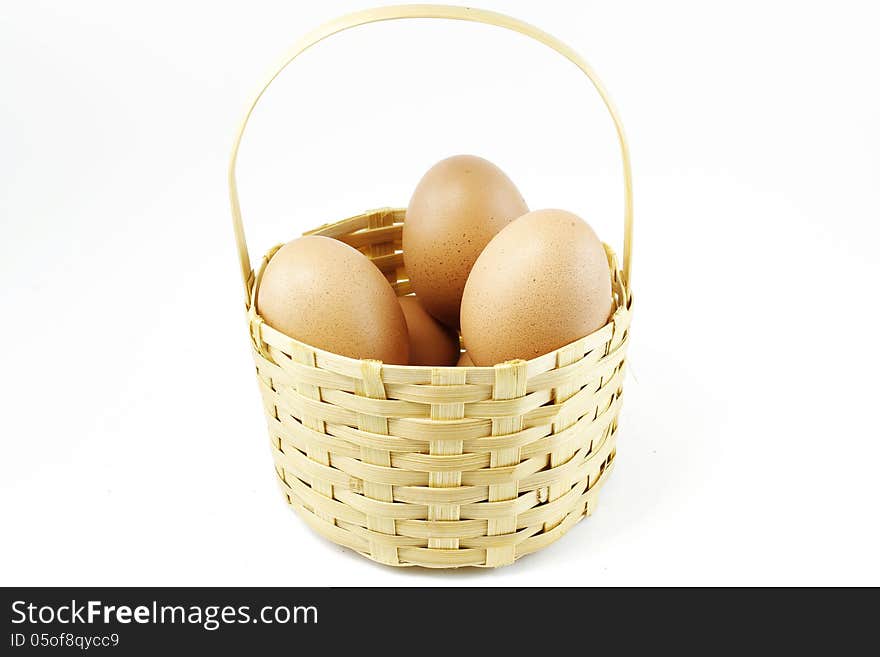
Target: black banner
<point>124,621</point>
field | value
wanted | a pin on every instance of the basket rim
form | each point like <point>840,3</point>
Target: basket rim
<point>260,329</point>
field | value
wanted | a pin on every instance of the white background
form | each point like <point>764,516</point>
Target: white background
<point>134,447</point>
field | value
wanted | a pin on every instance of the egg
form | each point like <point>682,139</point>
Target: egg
<point>458,206</point>
<point>540,284</point>
<point>464,360</point>
<point>329,295</point>
<point>430,342</point>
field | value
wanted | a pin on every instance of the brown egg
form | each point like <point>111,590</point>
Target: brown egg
<point>329,295</point>
<point>457,207</point>
<point>430,343</point>
<point>540,284</point>
<point>464,360</point>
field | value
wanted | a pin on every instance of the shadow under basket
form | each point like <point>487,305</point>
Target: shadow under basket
<point>439,467</point>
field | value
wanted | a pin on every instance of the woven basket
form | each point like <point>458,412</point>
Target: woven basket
<point>438,466</point>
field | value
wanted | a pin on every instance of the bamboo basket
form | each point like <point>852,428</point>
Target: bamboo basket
<point>438,466</point>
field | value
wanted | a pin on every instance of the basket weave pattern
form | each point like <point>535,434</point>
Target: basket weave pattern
<point>442,466</point>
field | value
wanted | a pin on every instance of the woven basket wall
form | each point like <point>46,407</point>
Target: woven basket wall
<point>445,466</point>
<point>442,466</point>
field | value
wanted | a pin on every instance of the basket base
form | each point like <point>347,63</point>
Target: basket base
<point>411,552</point>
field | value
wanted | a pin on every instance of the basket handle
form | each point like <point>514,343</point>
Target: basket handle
<point>429,11</point>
